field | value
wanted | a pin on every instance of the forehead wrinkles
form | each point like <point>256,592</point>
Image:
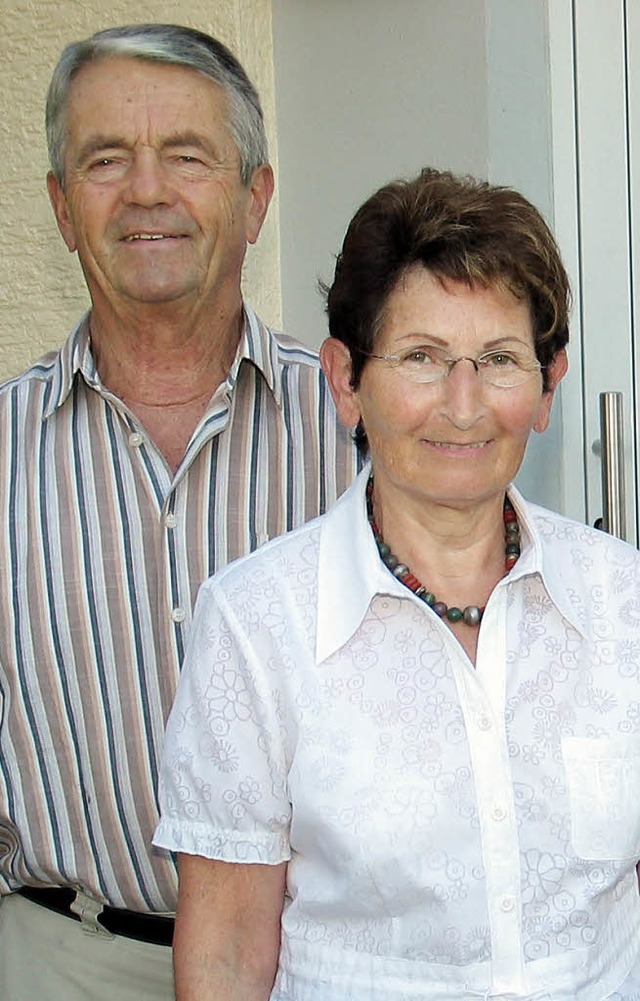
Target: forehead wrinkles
<point>135,101</point>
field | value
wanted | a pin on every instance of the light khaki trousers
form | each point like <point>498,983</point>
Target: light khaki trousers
<point>46,956</point>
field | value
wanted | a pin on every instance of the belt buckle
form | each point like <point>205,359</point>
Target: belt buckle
<point>88,910</point>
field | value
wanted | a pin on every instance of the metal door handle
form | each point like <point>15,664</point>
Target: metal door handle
<point>611,435</point>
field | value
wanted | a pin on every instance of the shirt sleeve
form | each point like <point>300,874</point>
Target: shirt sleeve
<point>223,780</point>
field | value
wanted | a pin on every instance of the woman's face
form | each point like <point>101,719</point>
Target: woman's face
<point>458,442</point>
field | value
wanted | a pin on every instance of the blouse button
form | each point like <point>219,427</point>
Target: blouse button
<point>507,904</point>
<point>178,614</point>
<point>499,812</point>
<point>135,439</point>
<point>170,521</point>
<point>484,722</point>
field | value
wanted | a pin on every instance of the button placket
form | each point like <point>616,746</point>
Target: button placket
<point>169,521</point>
<point>493,785</point>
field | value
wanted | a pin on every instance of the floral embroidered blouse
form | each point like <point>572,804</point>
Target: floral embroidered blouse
<point>451,831</point>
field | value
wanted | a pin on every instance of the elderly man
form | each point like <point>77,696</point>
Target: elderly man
<point>172,433</point>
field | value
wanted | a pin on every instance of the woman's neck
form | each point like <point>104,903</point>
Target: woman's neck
<point>456,553</point>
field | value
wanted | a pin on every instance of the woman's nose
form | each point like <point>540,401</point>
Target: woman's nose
<point>463,390</point>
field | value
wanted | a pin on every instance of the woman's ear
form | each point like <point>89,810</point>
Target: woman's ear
<point>556,370</point>
<point>336,365</point>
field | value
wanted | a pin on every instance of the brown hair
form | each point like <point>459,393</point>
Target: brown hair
<point>461,229</point>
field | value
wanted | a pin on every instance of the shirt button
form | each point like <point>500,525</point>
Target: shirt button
<point>135,439</point>
<point>507,904</point>
<point>499,812</point>
<point>170,521</point>
<point>178,614</point>
<point>484,722</point>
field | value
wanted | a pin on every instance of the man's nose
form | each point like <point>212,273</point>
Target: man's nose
<point>147,180</point>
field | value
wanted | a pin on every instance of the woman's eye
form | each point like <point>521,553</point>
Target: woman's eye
<point>500,359</point>
<point>418,357</point>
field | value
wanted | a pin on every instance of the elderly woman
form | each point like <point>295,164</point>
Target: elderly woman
<point>404,759</point>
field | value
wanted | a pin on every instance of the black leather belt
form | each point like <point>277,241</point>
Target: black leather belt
<point>156,929</point>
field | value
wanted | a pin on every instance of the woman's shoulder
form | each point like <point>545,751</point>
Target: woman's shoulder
<point>563,538</point>
<point>270,572</point>
<point>297,548</point>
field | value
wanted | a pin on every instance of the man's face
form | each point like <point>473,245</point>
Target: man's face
<point>152,199</point>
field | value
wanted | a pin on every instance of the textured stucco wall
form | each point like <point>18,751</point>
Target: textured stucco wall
<point>41,288</point>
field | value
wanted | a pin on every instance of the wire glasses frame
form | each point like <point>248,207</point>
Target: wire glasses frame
<point>504,369</point>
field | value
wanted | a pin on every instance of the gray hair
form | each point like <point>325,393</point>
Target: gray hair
<point>164,43</point>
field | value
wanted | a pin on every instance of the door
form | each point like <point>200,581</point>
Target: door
<point>595,95</point>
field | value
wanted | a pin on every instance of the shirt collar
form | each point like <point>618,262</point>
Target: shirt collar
<point>351,573</point>
<point>74,356</point>
<point>257,346</point>
<point>545,560</point>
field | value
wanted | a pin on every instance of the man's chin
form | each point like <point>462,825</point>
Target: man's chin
<point>156,293</point>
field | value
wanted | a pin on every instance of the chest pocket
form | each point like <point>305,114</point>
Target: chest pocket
<point>603,776</point>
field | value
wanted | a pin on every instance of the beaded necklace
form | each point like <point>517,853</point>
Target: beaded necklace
<point>472,614</point>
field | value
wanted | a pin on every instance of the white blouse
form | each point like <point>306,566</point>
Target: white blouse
<point>451,832</point>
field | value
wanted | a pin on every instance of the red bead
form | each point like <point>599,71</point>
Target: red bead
<point>411,581</point>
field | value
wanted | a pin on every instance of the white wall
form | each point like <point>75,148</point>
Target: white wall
<point>368,90</point>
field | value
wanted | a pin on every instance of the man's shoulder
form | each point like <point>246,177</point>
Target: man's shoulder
<point>293,351</point>
<point>38,372</point>
<point>281,347</point>
<point>50,376</point>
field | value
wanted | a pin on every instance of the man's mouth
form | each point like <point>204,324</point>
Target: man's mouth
<point>133,237</point>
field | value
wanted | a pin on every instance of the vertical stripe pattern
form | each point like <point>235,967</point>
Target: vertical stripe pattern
<point>102,552</point>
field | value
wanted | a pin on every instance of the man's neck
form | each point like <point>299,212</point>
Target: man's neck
<point>166,369</point>
<point>160,355</point>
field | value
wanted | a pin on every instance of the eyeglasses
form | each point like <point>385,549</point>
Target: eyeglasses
<point>504,369</point>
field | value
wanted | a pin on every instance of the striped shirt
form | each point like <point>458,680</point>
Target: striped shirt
<point>102,551</point>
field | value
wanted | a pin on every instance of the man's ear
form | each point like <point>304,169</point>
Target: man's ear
<point>61,211</point>
<point>556,370</point>
<point>336,365</point>
<point>261,187</point>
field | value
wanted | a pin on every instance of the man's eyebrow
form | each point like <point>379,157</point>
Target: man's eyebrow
<point>99,142</point>
<point>187,139</point>
<point>96,144</point>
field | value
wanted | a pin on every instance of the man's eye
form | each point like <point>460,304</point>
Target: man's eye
<point>189,160</point>
<point>107,165</point>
